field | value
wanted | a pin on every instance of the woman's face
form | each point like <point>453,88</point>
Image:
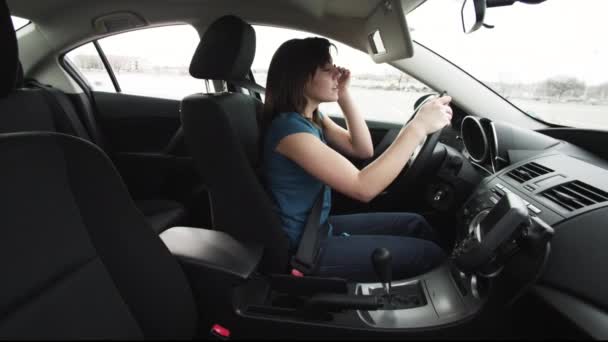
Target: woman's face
<point>323,86</point>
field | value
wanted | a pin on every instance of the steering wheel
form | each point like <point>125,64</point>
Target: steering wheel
<point>423,152</point>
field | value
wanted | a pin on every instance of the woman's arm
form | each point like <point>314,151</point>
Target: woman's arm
<point>356,140</point>
<point>333,169</point>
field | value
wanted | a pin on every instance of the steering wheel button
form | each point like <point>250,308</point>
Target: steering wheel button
<point>500,186</point>
<point>534,209</point>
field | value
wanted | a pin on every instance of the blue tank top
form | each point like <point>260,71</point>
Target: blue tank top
<point>293,189</point>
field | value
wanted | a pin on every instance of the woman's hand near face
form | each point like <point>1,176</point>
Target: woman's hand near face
<point>434,115</point>
<point>343,79</point>
<point>356,140</point>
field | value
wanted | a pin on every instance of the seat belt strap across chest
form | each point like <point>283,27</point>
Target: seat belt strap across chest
<point>308,252</point>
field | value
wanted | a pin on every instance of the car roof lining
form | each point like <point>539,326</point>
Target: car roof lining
<point>66,29</point>
<point>38,10</point>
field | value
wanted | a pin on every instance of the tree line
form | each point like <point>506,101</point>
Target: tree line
<point>558,88</point>
<point>123,64</point>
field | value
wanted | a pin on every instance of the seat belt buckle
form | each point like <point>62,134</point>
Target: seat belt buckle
<point>296,273</point>
<point>219,332</point>
<point>300,267</point>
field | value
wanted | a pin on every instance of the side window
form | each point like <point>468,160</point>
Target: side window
<point>152,62</point>
<point>382,92</point>
<point>87,61</point>
<point>19,22</point>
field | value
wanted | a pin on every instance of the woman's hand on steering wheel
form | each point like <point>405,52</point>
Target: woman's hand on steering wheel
<point>431,117</point>
<point>434,115</point>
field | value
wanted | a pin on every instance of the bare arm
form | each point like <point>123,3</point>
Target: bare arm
<point>333,169</point>
<point>315,157</point>
<point>356,140</point>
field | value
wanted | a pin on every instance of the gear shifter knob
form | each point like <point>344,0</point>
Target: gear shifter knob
<point>381,259</point>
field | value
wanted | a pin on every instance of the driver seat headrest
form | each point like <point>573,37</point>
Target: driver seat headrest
<point>226,51</point>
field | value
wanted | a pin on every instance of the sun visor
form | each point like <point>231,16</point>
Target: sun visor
<point>388,37</point>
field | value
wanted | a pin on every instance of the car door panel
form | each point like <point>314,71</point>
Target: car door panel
<point>134,123</point>
<point>146,143</point>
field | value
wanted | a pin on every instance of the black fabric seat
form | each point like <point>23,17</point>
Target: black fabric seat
<point>221,132</point>
<point>41,108</point>
<point>78,260</point>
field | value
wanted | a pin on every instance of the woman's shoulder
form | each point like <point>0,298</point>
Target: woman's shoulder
<point>291,122</point>
<point>286,124</point>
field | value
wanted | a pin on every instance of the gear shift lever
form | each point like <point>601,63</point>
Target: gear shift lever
<point>381,259</point>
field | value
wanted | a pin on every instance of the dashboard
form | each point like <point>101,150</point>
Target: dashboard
<point>557,180</point>
<point>561,184</point>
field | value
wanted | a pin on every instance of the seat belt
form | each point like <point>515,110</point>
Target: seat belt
<point>305,259</point>
<point>59,103</point>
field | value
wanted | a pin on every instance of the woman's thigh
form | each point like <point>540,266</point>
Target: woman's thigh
<point>385,223</point>
<point>350,256</point>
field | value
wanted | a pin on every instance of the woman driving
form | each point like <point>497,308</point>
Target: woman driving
<point>303,155</point>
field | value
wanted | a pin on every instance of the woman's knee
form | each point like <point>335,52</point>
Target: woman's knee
<point>435,254</point>
<point>426,256</point>
<point>420,227</point>
<point>420,220</point>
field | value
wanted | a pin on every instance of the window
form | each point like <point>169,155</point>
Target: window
<point>554,71</point>
<point>154,62</point>
<point>382,92</point>
<point>87,61</point>
<point>19,22</point>
<point>150,62</point>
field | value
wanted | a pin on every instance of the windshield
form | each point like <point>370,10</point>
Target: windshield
<point>547,59</point>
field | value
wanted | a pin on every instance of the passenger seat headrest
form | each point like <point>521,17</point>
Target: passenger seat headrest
<point>8,46</point>
<point>226,50</point>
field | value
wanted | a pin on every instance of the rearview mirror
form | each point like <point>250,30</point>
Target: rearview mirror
<point>472,13</point>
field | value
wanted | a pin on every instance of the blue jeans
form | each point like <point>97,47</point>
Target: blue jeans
<point>409,238</point>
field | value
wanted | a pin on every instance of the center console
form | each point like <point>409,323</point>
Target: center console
<point>437,299</point>
<point>495,230</point>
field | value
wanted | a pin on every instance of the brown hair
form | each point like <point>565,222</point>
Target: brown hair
<point>292,65</point>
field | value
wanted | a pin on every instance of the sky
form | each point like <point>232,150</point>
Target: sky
<point>529,43</point>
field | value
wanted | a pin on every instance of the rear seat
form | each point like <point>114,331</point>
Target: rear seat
<point>42,108</point>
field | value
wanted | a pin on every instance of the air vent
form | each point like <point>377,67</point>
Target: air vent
<point>575,195</point>
<point>528,171</point>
